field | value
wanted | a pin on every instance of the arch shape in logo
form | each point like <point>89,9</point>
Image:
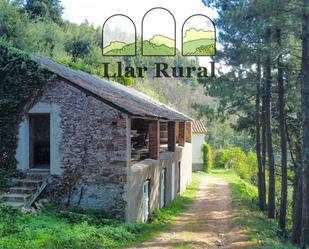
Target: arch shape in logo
<point>198,36</point>
<point>116,40</point>
<point>158,40</point>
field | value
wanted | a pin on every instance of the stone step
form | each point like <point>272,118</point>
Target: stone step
<point>16,197</point>
<point>22,190</point>
<point>37,175</point>
<point>14,204</point>
<point>29,183</point>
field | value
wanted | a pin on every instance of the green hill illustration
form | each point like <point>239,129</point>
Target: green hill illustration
<point>159,45</point>
<point>199,43</point>
<point>117,48</point>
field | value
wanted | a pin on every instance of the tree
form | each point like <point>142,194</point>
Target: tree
<point>261,167</point>
<point>269,144</point>
<point>44,8</point>
<point>283,140</point>
<point>305,122</point>
<point>12,24</point>
<point>78,48</point>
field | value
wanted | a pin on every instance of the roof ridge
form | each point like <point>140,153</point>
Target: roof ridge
<point>115,94</point>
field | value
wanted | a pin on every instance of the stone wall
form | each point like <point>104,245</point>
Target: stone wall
<point>92,151</point>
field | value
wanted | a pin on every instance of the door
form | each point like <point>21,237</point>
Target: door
<point>162,188</point>
<point>173,181</point>
<point>146,201</point>
<point>39,130</point>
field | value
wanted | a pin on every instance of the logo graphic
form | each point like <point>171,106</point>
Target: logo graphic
<point>154,42</point>
<point>198,36</point>
<point>119,35</point>
<point>119,41</point>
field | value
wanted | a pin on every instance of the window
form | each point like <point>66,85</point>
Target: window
<point>163,188</point>
<point>173,181</point>
<point>146,187</point>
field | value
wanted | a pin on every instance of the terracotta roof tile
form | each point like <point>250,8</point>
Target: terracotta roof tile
<point>198,127</point>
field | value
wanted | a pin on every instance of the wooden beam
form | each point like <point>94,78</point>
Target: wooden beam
<point>182,134</point>
<point>171,133</point>
<point>154,139</point>
<point>188,132</point>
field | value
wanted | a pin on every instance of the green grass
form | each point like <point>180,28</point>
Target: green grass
<point>199,47</point>
<point>259,228</point>
<point>58,229</point>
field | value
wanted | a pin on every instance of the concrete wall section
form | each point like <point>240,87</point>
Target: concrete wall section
<point>198,139</point>
<point>150,169</point>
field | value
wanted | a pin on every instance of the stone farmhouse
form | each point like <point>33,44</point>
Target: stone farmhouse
<point>95,144</point>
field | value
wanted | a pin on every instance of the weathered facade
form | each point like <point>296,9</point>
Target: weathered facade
<point>106,146</point>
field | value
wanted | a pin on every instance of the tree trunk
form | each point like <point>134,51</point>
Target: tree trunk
<point>270,153</point>
<point>262,199</point>
<point>305,122</point>
<point>283,140</point>
<point>297,197</point>
<point>263,142</point>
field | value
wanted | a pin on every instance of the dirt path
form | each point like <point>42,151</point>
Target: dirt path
<point>207,224</point>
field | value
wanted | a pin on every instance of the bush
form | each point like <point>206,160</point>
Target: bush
<point>245,165</point>
<point>207,158</point>
<point>221,158</point>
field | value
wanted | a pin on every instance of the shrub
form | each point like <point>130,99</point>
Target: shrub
<point>245,165</point>
<point>221,158</point>
<point>207,157</point>
<point>9,218</point>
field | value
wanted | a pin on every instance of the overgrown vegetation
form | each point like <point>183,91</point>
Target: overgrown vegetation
<point>21,81</point>
<point>76,229</point>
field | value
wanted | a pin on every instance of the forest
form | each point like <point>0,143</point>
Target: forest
<point>266,47</point>
<point>256,112</point>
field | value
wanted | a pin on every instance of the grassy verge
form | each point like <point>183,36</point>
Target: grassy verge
<point>57,229</point>
<point>259,228</point>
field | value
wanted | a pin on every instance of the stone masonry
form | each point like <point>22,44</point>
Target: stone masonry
<point>93,151</point>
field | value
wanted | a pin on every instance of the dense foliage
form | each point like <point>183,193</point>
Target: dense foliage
<point>244,164</point>
<point>21,81</point>
<point>207,158</point>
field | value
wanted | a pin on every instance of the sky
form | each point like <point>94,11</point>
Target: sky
<point>97,11</point>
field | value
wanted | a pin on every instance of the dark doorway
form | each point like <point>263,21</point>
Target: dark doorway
<point>39,140</point>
